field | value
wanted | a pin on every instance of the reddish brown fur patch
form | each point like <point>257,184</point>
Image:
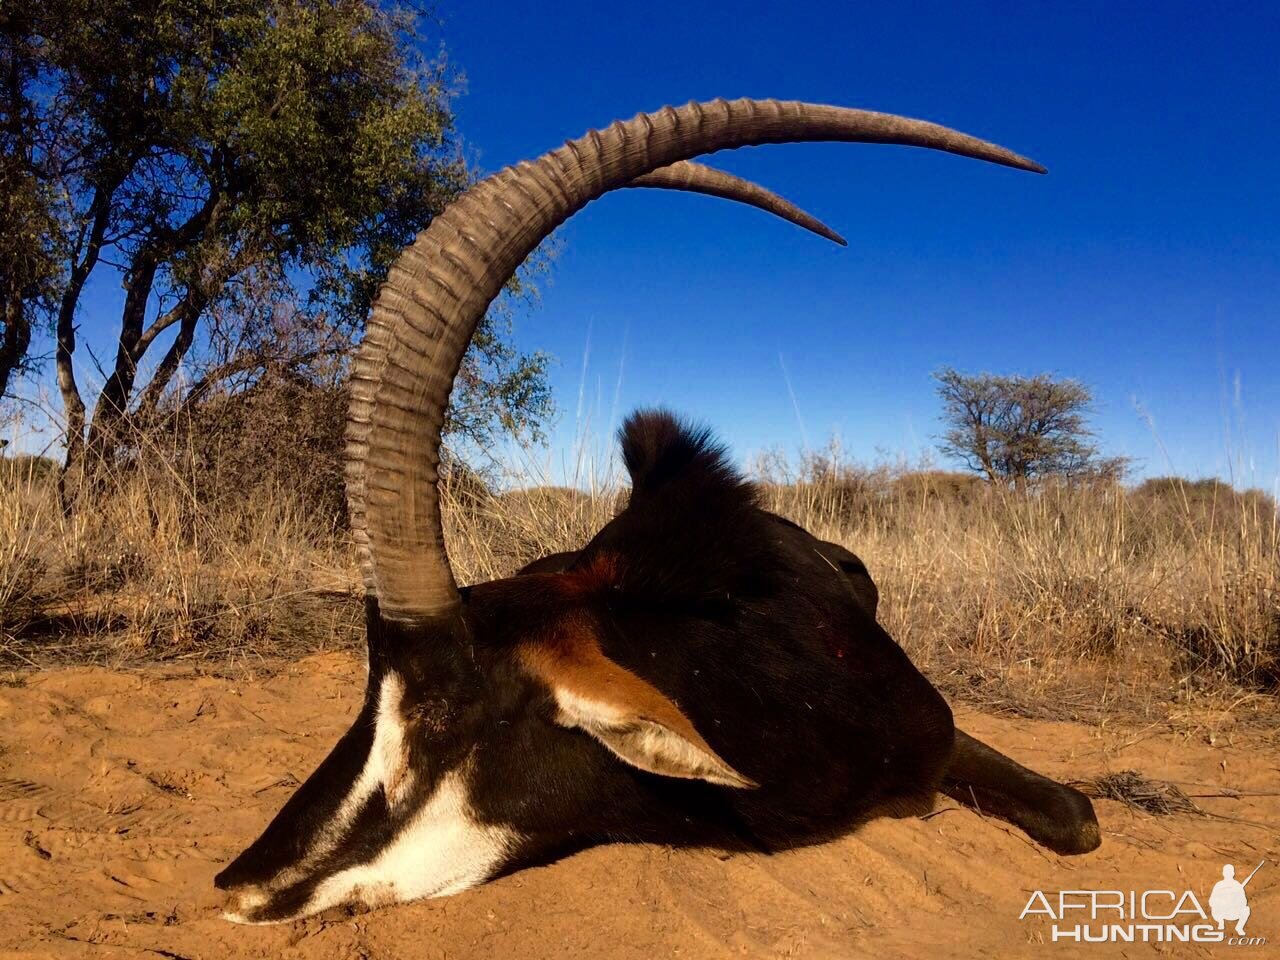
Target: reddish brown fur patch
<point>602,572</point>
<point>569,657</point>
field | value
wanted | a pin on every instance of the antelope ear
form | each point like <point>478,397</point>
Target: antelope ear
<point>624,712</point>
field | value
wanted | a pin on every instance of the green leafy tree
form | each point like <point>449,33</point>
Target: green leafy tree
<point>30,258</point>
<point>228,151</point>
<point>1015,429</point>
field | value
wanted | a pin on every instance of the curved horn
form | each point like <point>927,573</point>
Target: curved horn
<point>441,285</point>
<point>698,178</point>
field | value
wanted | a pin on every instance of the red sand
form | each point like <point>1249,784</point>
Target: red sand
<point>121,794</point>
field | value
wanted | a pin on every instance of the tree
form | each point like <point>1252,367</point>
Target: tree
<point>1016,429</point>
<point>30,269</point>
<point>226,151</point>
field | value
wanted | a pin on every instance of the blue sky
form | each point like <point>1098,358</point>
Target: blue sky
<point>1147,263</point>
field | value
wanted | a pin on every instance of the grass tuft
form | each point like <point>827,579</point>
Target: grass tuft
<point>1060,602</point>
<point>1157,797</point>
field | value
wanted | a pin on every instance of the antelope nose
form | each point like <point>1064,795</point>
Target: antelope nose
<point>240,903</point>
<point>242,873</point>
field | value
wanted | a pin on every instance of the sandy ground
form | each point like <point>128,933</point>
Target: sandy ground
<point>121,794</point>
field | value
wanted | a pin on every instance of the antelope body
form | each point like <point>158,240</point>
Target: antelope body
<point>702,672</point>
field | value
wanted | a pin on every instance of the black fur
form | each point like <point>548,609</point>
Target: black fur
<point>735,616</point>
<point>662,453</point>
<point>1056,815</point>
<point>762,635</point>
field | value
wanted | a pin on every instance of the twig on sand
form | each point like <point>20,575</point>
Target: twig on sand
<point>1158,797</point>
<point>938,813</point>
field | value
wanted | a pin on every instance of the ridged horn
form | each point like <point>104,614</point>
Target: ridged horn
<point>699,178</point>
<point>440,286</point>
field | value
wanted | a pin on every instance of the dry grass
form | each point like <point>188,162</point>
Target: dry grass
<point>1054,602</point>
<point>1066,602</point>
<point>155,572</point>
<point>1157,797</point>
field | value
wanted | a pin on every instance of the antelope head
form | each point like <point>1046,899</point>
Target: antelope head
<point>497,723</point>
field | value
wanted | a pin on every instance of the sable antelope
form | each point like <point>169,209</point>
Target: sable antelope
<point>701,672</point>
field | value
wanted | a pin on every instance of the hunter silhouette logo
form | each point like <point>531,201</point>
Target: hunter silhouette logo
<point>1148,916</point>
<point>1229,901</point>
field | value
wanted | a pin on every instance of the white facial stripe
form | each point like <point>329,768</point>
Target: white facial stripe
<point>443,850</point>
<point>386,761</point>
<point>440,851</point>
<point>385,766</point>
<point>390,753</point>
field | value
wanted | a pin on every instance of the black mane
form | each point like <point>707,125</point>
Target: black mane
<point>662,451</point>
<point>692,530</point>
